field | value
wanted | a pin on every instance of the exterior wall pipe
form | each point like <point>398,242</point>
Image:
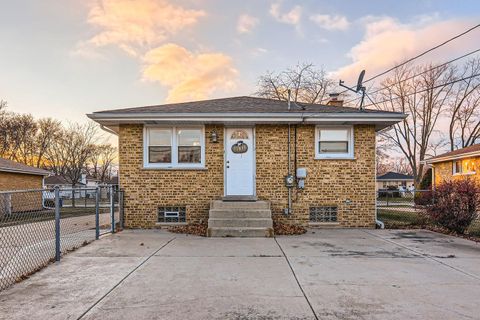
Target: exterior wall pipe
<point>377,222</point>
<point>289,172</point>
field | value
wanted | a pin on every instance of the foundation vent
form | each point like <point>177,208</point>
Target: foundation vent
<point>174,214</point>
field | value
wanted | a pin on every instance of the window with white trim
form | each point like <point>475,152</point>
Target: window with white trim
<point>174,147</point>
<point>464,167</point>
<point>334,142</point>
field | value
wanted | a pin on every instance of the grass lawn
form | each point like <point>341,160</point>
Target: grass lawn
<point>399,216</point>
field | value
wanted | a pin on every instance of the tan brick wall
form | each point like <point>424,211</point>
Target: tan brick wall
<point>444,171</point>
<point>24,201</point>
<point>147,189</point>
<point>329,182</point>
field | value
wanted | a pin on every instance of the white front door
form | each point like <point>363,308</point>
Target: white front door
<point>239,162</point>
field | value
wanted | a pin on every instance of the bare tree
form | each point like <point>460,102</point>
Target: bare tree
<point>49,130</point>
<point>307,84</point>
<point>102,160</point>
<point>464,107</point>
<point>423,98</point>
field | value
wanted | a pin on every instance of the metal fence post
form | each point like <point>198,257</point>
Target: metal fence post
<point>120,208</point>
<point>112,208</point>
<point>57,223</point>
<point>97,213</point>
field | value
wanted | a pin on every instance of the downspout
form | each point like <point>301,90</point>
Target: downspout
<point>377,222</point>
<point>289,172</point>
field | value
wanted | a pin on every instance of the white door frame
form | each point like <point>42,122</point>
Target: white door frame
<point>254,173</point>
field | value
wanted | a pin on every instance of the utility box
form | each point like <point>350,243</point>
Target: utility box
<point>301,173</point>
<point>301,176</point>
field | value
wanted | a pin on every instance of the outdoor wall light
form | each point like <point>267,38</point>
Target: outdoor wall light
<point>214,136</point>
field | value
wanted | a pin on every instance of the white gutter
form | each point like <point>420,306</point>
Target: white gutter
<point>454,157</point>
<point>291,116</point>
<point>24,172</point>
<point>108,130</point>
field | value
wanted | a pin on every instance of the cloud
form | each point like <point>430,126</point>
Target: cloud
<point>387,42</point>
<point>188,75</point>
<point>291,17</point>
<point>134,24</point>
<point>246,23</point>
<point>330,22</point>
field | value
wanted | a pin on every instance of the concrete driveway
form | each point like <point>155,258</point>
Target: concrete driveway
<point>325,274</point>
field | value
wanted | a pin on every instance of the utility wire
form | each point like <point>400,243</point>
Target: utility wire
<point>423,90</point>
<point>419,55</point>
<point>418,74</point>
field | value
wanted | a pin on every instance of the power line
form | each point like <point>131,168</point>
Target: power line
<point>421,54</point>
<point>432,88</point>
<point>418,74</point>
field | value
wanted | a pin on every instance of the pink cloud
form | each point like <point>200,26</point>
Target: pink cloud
<point>388,42</point>
<point>189,75</point>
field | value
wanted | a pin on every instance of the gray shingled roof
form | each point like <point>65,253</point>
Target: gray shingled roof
<point>394,176</point>
<point>242,104</point>
<point>12,166</point>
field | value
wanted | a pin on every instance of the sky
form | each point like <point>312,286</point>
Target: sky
<point>66,58</point>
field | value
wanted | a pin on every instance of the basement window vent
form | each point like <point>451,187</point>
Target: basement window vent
<point>323,214</point>
<point>174,214</point>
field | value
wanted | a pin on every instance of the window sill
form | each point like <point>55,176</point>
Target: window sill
<point>335,158</point>
<point>324,224</point>
<point>465,173</point>
<point>176,168</point>
<point>170,224</point>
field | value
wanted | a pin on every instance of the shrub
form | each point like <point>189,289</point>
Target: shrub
<point>423,198</point>
<point>455,204</point>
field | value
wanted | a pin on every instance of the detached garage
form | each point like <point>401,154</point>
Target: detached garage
<point>17,176</point>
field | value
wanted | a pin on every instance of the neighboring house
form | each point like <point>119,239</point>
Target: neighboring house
<point>189,162</point>
<point>395,180</point>
<point>456,164</point>
<point>18,176</point>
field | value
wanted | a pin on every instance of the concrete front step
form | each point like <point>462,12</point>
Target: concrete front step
<point>240,223</point>
<point>241,213</point>
<point>219,204</point>
<point>240,232</point>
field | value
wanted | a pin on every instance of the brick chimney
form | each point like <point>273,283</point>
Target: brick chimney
<point>334,101</point>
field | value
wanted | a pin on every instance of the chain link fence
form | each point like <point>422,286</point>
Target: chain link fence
<point>407,209</point>
<point>39,226</point>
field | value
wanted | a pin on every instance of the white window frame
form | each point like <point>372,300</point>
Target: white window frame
<point>464,173</point>
<point>351,139</point>
<point>174,145</point>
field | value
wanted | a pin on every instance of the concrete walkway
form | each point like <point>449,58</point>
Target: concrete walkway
<point>325,274</point>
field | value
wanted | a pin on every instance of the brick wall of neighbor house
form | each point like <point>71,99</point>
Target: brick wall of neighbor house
<point>25,201</point>
<point>329,182</point>
<point>444,171</point>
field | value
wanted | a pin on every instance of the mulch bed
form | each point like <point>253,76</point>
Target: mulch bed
<point>283,229</point>
<point>201,229</point>
<point>193,229</point>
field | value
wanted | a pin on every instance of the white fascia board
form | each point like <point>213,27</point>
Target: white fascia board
<point>455,157</point>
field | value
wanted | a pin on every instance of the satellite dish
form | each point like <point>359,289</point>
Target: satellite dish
<point>360,80</point>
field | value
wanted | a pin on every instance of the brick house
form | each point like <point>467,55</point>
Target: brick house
<point>236,161</point>
<point>456,164</point>
<point>18,176</point>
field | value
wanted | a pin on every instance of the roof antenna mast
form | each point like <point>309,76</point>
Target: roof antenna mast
<point>360,88</point>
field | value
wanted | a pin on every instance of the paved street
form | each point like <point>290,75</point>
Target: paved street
<point>324,274</point>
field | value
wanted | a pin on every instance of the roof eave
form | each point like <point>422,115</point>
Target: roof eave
<point>381,120</point>
<point>35,173</point>
<point>454,157</point>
